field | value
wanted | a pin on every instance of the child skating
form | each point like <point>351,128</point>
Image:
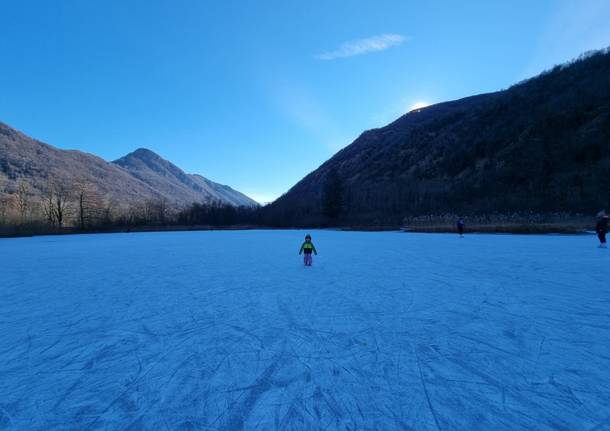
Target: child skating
<point>307,248</point>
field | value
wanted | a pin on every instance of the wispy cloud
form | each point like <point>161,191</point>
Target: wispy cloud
<point>364,46</point>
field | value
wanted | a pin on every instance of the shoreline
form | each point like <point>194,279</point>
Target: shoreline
<point>516,229</point>
<point>521,229</point>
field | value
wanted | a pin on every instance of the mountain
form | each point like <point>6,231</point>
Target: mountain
<point>540,146</point>
<point>135,178</point>
<point>173,183</point>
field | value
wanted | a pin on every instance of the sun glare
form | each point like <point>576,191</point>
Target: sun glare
<point>418,105</point>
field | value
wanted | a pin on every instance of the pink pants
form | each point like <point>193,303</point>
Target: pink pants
<point>307,259</point>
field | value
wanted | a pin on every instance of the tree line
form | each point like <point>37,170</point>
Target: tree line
<point>81,207</point>
<point>78,206</point>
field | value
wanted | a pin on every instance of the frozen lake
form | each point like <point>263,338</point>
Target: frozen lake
<point>228,330</point>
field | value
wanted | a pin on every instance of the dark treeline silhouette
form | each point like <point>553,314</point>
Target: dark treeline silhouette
<point>218,214</point>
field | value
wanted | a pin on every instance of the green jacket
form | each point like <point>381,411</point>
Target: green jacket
<point>308,247</point>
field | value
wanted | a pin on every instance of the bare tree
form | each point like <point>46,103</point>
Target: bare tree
<point>108,212</point>
<point>136,214</point>
<point>48,204</point>
<point>5,204</point>
<point>61,206</point>
<point>155,211</point>
<point>56,204</point>
<point>161,211</point>
<point>90,207</point>
<point>148,211</point>
<point>22,195</point>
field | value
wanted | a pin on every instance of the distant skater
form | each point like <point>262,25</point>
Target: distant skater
<point>602,229</point>
<point>308,248</point>
<point>460,227</point>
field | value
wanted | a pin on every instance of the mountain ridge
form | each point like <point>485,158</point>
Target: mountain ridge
<point>25,159</point>
<point>152,169</point>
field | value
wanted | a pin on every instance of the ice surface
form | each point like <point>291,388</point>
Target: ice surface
<point>228,330</point>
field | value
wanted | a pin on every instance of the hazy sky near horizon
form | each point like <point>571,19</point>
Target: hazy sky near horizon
<point>256,94</point>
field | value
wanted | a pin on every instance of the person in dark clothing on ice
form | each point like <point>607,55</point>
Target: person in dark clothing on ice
<point>460,227</point>
<point>308,248</point>
<point>602,229</point>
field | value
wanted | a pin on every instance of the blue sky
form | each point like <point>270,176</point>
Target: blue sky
<point>256,94</point>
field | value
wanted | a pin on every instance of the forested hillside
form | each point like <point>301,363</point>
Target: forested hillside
<point>541,146</point>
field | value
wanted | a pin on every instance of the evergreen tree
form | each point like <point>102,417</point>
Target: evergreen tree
<point>332,195</point>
